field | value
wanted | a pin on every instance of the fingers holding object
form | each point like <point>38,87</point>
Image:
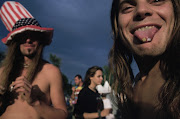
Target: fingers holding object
<point>20,82</point>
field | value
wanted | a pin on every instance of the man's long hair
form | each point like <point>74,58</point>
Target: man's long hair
<point>120,59</point>
<point>13,63</point>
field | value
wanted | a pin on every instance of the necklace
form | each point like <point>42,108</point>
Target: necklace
<point>25,65</point>
<point>92,89</point>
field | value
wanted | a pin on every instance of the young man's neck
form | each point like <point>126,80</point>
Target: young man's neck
<point>148,66</point>
<point>27,60</point>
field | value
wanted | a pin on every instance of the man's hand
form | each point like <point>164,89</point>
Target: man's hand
<point>22,87</point>
<point>73,89</point>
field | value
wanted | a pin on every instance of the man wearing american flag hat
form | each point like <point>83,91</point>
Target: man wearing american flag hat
<point>30,87</point>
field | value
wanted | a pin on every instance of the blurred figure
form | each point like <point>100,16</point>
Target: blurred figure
<point>105,91</point>
<point>90,104</point>
<point>76,89</point>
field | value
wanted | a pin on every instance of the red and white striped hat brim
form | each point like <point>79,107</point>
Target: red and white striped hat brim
<point>11,12</point>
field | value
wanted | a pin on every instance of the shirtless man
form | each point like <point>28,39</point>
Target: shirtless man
<point>149,31</point>
<point>30,87</point>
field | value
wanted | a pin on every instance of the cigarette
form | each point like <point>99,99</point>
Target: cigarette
<point>11,88</point>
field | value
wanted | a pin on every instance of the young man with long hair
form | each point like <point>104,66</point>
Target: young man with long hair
<point>149,32</point>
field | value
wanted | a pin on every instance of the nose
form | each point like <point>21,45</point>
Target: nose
<point>143,10</point>
<point>101,77</point>
<point>28,40</point>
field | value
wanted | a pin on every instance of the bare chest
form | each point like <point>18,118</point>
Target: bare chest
<point>147,92</point>
<point>20,109</point>
<point>40,81</point>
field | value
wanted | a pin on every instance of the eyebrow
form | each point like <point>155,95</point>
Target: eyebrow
<point>126,1</point>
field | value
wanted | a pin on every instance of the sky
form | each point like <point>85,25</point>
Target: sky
<point>82,32</point>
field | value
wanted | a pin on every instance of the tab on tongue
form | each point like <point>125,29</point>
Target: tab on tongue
<point>146,35</point>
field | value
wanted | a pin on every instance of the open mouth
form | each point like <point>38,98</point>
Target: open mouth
<point>145,34</point>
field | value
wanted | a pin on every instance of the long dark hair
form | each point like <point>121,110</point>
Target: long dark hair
<point>90,73</point>
<point>170,65</point>
<point>120,59</point>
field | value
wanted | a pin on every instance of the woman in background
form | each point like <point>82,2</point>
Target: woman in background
<point>90,104</point>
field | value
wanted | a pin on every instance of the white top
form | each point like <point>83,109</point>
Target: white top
<point>107,103</point>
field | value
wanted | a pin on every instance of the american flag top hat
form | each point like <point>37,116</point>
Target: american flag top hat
<point>17,20</point>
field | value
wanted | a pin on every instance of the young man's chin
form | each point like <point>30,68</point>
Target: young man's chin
<point>30,55</point>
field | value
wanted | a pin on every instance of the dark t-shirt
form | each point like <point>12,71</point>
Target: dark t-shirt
<point>88,101</point>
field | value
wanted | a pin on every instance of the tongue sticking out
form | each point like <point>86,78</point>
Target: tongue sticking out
<point>145,34</point>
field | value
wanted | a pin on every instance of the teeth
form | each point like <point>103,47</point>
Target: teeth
<point>148,39</point>
<point>144,28</point>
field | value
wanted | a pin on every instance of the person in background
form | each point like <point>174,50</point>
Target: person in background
<point>89,103</point>
<point>29,85</point>
<point>76,89</point>
<point>149,32</point>
<point>105,92</point>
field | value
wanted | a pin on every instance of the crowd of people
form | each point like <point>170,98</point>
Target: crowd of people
<point>147,31</point>
<point>89,97</point>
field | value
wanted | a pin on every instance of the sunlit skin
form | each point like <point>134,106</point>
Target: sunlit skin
<point>136,14</point>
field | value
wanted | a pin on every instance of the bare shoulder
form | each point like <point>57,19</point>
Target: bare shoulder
<point>50,68</point>
<point>51,72</point>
